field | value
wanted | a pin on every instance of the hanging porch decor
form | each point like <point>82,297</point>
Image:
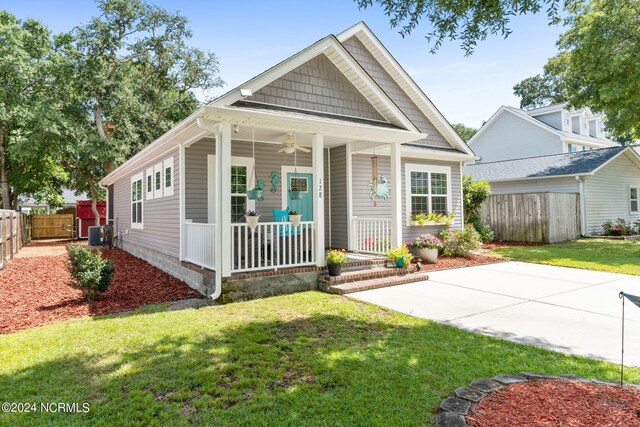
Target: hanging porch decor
<point>256,192</point>
<point>378,184</point>
<point>275,180</point>
<point>294,194</point>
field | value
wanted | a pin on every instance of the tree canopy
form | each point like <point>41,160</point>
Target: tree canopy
<point>467,21</point>
<point>465,132</point>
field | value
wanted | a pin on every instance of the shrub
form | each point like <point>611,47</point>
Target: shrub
<point>459,242</point>
<point>485,231</point>
<point>618,228</point>
<point>89,271</point>
<point>427,241</point>
<point>474,193</point>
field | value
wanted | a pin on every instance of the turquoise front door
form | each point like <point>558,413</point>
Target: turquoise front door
<point>302,182</point>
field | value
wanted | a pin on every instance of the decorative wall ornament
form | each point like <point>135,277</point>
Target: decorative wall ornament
<point>274,181</point>
<point>379,188</point>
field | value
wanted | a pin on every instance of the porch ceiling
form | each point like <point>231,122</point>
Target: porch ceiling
<point>272,126</point>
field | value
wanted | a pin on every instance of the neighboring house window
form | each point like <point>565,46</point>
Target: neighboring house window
<point>567,120</point>
<point>136,201</point>
<point>238,192</point>
<point>428,189</point>
<point>167,176</point>
<point>633,199</point>
<point>157,180</point>
<point>149,184</point>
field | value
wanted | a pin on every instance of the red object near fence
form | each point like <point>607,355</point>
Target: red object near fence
<point>85,217</point>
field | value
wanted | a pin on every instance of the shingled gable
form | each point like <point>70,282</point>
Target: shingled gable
<point>325,51</point>
<point>403,90</point>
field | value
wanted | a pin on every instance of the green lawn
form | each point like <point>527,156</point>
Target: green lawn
<point>617,256</point>
<point>303,359</point>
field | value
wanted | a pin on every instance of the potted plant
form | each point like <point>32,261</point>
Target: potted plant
<point>335,258</point>
<point>401,256</point>
<point>295,217</point>
<point>252,219</point>
<point>295,195</point>
<point>434,218</point>
<point>254,194</point>
<point>427,247</point>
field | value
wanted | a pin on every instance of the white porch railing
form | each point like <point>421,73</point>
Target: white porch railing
<point>372,235</point>
<point>200,244</point>
<point>272,245</point>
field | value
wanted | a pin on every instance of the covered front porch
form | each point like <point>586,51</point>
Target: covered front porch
<point>254,151</point>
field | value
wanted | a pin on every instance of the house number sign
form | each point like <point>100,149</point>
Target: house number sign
<point>319,188</point>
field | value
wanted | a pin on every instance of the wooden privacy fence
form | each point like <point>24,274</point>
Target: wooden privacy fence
<point>533,217</point>
<point>51,226</point>
<point>11,234</point>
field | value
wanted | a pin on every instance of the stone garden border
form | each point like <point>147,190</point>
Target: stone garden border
<point>453,410</point>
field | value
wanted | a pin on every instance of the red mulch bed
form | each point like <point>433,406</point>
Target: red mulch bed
<point>497,244</point>
<point>557,403</point>
<point>34,290</point>
<point>445,262</point>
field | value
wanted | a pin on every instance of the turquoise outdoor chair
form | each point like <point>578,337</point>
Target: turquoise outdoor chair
<point>283,216</point>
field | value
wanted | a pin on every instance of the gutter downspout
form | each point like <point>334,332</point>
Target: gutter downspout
<point>583,207</point>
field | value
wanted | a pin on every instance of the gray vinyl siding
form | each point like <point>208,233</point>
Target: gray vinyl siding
<point>394,91</point>
<point>363,205</point>
<point>337,198</point>
<point>160,216</point>
<point>410,232</point>
<point>549,185</point>
<point>607,193</point>
<point>110,201</point>
<point>267,159</point>
<point>511,137</point>
<point>552,119</point>
<point>320,86</point>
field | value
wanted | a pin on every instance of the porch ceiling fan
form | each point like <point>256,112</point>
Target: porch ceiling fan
<point>289,145</point>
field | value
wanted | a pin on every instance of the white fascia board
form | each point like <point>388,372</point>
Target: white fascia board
<point>420,153</point>
<point>330,47</point>
<point>153,151</point>
<point>393,68</point>
<point>272,120</point>
<point>530,178</point>
<point>585,142</point>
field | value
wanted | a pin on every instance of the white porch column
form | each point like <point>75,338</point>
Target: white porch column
<point>223,201</point>
<point>317,157</point>
<point>182,198</point>
<point>349,171</point>
<point>396,196</point>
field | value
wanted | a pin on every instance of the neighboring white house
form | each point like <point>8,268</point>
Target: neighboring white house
<point>70,201</point>
<point>512,133</point>
<point>313,130</point>
<point>607,179</point>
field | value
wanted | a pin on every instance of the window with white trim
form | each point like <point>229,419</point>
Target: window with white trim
<point>633,199</point>
<point>148,184</point>
<point>157,181</point>
<point>238,192</point>
<point>428,189</point>
<point>167,176</point>
<point>136,201</point>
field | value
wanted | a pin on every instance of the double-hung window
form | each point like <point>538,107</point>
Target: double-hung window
<point>238,192</point>
<point>136,201</point>
<point>633,198</point>
<point>428,189</point>
<point>167,176</point>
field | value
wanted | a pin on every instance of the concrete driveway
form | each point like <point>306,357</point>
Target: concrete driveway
<point>564,309</point>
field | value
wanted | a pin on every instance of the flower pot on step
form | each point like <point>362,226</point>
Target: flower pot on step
<point>334,269</point>
<point>399,262</point>
<point>428,255</point>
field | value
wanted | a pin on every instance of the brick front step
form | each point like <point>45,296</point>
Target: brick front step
<point>365,285</point>
<point>365,274</point>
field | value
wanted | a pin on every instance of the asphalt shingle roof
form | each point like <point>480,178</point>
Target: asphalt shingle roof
<point>543,166</point>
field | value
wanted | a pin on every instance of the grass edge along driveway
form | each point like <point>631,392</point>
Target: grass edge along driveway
<point>614,256</point>
<point>308,358</point>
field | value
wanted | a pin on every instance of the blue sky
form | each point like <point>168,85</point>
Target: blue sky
<point>250,36</point>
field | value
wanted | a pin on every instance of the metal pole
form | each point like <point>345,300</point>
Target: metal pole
<point>621,295</point>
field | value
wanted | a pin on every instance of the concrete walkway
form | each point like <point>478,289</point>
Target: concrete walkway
<point>563,309</point>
